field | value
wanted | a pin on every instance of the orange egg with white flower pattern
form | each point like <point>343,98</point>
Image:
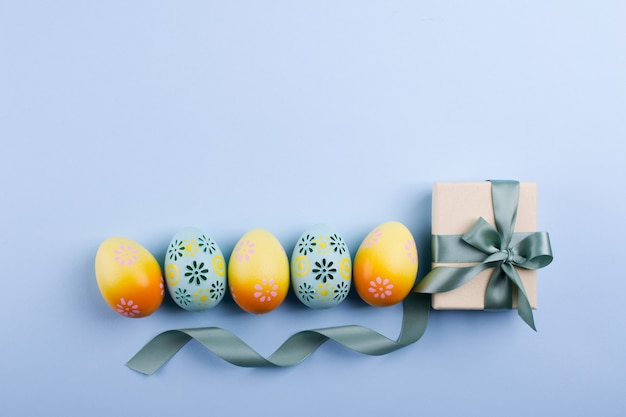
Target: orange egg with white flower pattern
<point>258,272</point>
<point>385,265</point>
<point>129,277</point>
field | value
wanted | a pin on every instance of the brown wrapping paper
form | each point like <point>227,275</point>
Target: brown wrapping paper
<point>456,207</point>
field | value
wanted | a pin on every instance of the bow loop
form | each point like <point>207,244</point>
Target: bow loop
<point>483,237</point>
<point>533,252</point>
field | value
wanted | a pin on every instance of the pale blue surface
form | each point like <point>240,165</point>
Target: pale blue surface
<point>140,118</point>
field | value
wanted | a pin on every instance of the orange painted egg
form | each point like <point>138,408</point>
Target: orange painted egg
<point>258,272</point>
<point>129,277</point>
<point>385,265</point>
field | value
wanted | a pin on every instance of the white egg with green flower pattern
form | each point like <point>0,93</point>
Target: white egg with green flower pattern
<point>195,270</point>
<point>321,268</point>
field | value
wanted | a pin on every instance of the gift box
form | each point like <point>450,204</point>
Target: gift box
<point>486,247</point>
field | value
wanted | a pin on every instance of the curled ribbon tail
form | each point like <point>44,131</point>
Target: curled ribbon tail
<point>158,351</point>
<point>294,350</point>
<point>498,294</point>
<point>524,310</point>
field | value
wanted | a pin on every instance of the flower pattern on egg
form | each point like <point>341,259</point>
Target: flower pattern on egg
<point>324,270</point>
<point>322,243</point>
<point>411,251</point>
<point>324,292</point>
<point>372,238</point>
<point>337,244</point>
<point>306,291</point>
<point>126,255</point>
<point>217,290</point>
<point>201,297</point>
<point>175,251</point>
<point>244,250</point>
<point>306,244</point>
<point>182,296</point>
<point>340,291</point>
<point>196,272</point>
<point>380,288</point>
<point>207,244</point>
<point>266,290</point>
<point>128,308</point>
<point>190,247</point>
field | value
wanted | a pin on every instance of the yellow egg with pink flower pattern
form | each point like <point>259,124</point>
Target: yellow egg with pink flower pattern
<point>258,272</point>
<point>385,265</point>
<point>129,277</point>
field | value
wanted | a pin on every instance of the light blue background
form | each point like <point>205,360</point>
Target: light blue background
<point>140,118</point>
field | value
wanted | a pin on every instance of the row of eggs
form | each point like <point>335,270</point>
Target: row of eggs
<point>258,271</point>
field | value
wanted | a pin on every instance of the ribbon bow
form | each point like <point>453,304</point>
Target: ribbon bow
<point>499,248</point>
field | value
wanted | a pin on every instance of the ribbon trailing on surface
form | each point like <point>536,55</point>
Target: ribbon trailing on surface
<point>499,248</point>
<point>294,350</point>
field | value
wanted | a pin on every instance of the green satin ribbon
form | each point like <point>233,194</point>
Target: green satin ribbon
<point>297,348</point>
<point>499,248</point>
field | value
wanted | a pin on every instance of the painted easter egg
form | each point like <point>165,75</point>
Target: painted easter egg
<point>258,272</point>
<point>385,265</point>
<point>129,277</point>
<point>321,268</point>
<point>195,270</point>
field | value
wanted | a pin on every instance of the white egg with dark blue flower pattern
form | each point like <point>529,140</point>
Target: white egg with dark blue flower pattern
<point>321,268</point>
<point>195,270</point>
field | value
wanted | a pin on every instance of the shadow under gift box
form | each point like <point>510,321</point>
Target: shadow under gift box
<point>456,207</point>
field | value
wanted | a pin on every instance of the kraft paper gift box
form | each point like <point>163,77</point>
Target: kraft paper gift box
<point>455,209</point>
